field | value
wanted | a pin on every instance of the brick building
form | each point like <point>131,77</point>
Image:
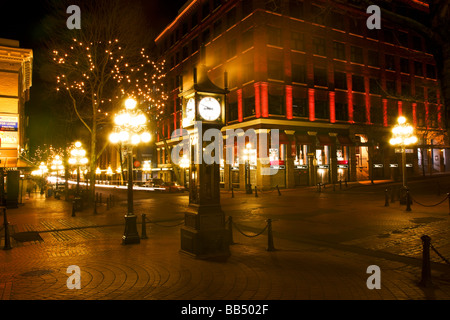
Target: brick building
<point>314,71</point>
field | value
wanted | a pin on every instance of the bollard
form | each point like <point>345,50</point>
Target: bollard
<point>340,184</point>
<point>107,203</point>
<point>144,227</point>
<point>6,226</point>
<point>95,207</point>
<point>230,230</point>
<point>110,200</point>
<point>256,192</point>
<point>408,201</point>
<point>346,183</point>
<point>232,192</point>
<point>73,208</point>
<point>96,196</point>
<point>319,187</point>
<point>426,266</point>
<point>100,200</point>
<point>386,198</point>
<point>279,193</point>
<point>448,197</point>
<point>270,246</point>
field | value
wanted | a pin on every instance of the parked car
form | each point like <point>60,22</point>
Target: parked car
<point>153,183</point>
<point>172,187</point>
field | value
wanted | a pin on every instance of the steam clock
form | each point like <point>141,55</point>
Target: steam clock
<point>203,235</point>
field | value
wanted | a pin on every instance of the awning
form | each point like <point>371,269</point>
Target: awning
<point>303,139</point>
<point>14,163</point>
<point>324,139</point>
<point>345,141</point>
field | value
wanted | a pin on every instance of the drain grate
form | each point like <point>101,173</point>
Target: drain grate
<point>27,236</point>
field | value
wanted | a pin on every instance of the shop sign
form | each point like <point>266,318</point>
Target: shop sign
<point>399,150</point>
<point>393,165</point>
<point>342,166</point>
<point>409,165</point>
<point>324,166</point>
<point>378,165</point>
<point>301,167</point>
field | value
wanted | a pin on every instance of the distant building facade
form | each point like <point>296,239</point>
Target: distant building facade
<point>314,71</point>
<point>16,68</point>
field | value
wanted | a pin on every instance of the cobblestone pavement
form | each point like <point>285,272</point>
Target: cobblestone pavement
<point>324,244</point>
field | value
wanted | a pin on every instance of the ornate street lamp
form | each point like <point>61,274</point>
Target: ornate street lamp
<point>78,157</point>
<point>130,129</point>
<point>43,170</point>
<point>248,186</point>
<point>403,136</point>
<point>109,172</point>
<point>57,166</point>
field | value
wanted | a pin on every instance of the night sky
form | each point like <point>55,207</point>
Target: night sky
<point>22,21</point>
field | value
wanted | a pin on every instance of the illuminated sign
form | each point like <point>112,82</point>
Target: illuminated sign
<point>9,127</point>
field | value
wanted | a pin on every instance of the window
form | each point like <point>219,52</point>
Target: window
<point>391,88</point>
<point>195,45</point>
<point>194,20</point>
<point>340,80</point>
<point>373,58</point>
<point>420,93</point>
<point>431,71</point>
<point>374,86</point>
<point>359,113</point>
<point>247,7</point>
<point>247,39</point>
<point>317,15</point>
<point>404,65</point>
<point>388,35</point>
<point>319,46</point>
<point>339,50</point>
<point>249,106</point>
<point>248,72</point>
<point>273,36</point>
<point>356,54</point>
<point>275,69</point>
<point>406,89</point>
<point>184,29</point>
<point>392,112</point>
<point>376,112</point>
<point>298,73</point>
<point>417,43</point>
<point>432,95</point>
<point>337,20</point>
<point>403,39</point>
<point>206,36</point>
<point>231,48</point>
<point>185,52</point>
<point>390,62</point>
<point>420,113</point>
<point>296,9</point>
<point>217,28</point>
<point>358,83</point>
<point>320,77</point>
<point>273,5</point>
<point>233,111</point>
<point>357,26</point>
<point>300,107</point>
<point>341,111</point>
<point>276,105</point>
<point>297,41</point>
<point>418,68</point>
<point>216,4</point>
<point>322,110</point>
<point>205,9</point>
<point>432,115</point>
<point>231,18</point>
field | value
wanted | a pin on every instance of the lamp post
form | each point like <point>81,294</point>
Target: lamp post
<point>98,172</point>
<point>43,170</point>
<point>109,172</point>
<point>57,166</point>
<point>248,186</point>
<point>78,158</point>
<point>184,164</point>
<point>403,136</point>
<point>130,129</point>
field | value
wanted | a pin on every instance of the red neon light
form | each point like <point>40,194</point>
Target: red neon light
<point>264,99</point>
<point>289,114</point>
<point>332,107</point>
<point>239,101</point>
<point>350,106</point>
<point>312,111</point>
<point>414,112</point>
<point>385,112</point>
<point>400,108</point>
<point>257,100</point>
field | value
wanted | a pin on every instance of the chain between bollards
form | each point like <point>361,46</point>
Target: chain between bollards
<point>270,246</point>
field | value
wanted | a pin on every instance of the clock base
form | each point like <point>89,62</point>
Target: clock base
<point>204,235</point>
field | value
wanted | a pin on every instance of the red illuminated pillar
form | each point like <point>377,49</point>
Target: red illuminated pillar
<point>264,99</point>
<point>312,111</point>
<point>350,97</point>
<point>257,100</point>
<point>439,109</point>
<point>427,114</point>
<point>239,102</point>
<point>385,112</point>
<point>368,106</point>
<point>332,106</point>
<point>289,114</point>
<point>400,108</point>
<point>414,112</point>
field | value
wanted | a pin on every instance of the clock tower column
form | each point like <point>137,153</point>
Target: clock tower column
<point>204,234</point>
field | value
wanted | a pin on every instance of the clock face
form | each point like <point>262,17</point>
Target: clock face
<point>190,109</point>
<point>209,108</point>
